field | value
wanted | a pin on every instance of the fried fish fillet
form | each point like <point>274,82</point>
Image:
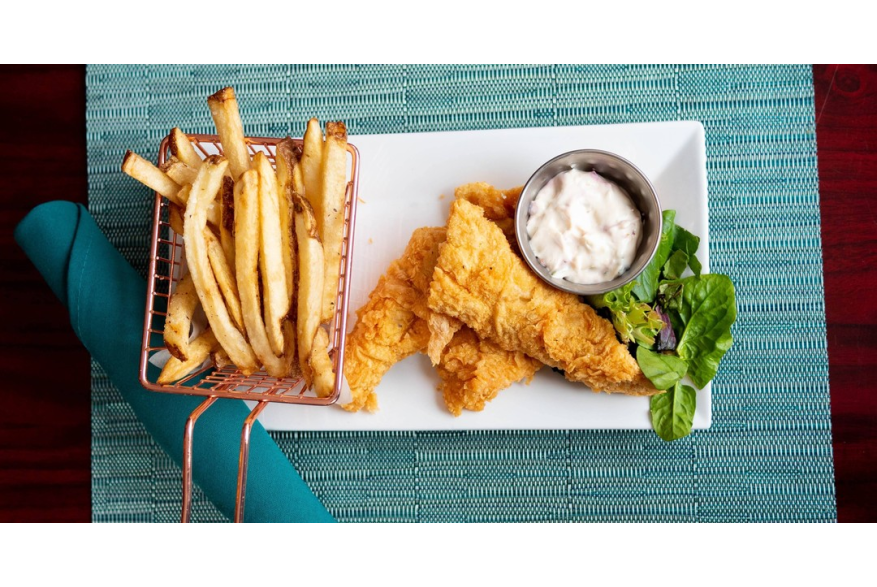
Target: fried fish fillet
<point>441,331</point>
<point>499,207</point>
<point>388,327</point>
<point>395,323</point>
<point>473,371</point>
<point>479,280</point>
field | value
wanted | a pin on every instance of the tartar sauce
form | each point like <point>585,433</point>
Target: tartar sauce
<point>584,228</point>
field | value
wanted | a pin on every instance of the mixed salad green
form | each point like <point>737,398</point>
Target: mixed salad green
<point>676,325</point>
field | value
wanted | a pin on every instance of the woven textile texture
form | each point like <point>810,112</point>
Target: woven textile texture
<point>768,454</point>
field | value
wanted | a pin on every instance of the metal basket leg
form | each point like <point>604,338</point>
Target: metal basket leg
<point>188,436</point>
<point>243,460</point>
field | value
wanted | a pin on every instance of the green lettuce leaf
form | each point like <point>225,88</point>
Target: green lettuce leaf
<point>684,240</point>
<point>635,321</point>
<point>688,243</point>
<point>646,284</point>
<point>673,412</point>
<point>695,265</point>
<point>664,371</point>
<point>707,310</point>
<point>675,265</point>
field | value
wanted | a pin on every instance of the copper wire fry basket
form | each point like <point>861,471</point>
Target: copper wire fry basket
<point>165,267</point>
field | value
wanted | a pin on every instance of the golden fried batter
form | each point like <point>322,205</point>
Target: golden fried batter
<point>388,328</point>
<point>393,324</point>
<point>498,205</point>
<point>479,280</point>
<point>474,371</point>
<point>441,331</point>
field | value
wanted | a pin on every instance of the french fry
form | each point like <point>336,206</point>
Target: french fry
<point>204,191</point>
<point>227,118</point>
<point>262,246</point>
<point>220,358</point>
<point>310,284</point>
<point>286,159</point>
<point>311,163</point>
<point>179,171</point>
<point>290,344</point>
<point>212,210</point>
<point>181,148</point>
<point>183,196</point>
<point>180,309</point>
<point>274,290</point>
<point>199,350</point>
<point>321,364</point>
<point>224,278</point>
<point>175,218</point>
<point>247,233</point>
<point>298,182</point>
<point>151,176</point>
<point>226,223</point>
<point>334,194</point>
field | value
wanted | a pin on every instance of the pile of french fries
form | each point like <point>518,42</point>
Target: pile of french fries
<point>263,248</point>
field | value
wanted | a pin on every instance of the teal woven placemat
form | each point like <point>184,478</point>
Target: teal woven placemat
<point>768,454</point>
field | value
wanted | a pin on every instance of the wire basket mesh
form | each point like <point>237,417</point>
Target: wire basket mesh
<point>166,269</point>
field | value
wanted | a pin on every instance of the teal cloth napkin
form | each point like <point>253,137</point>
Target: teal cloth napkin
<point>106,298</point>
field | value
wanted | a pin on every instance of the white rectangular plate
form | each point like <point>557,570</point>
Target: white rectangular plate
<point>408,180</point>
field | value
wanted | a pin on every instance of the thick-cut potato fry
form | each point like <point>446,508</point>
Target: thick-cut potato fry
<point>183,197</point>
<point>265,297</point>
<point>274,291</point>
<point>175,218</point>
<point>220,358</point>
<point>226,223</point>
<point>289,346</point>
<point>182,148</point>
<point>286,160</point>
<point>204,191</point>
<point>199,350</point>
<point>224,278</point>
<point>212,211</point>
<point>310,284</point>
<point>321,364</point>
<point>333,193</point>
<point>178,323</point>
<point>311,163</point>
<point>227,117</point>
<point>179,171</point>
<point>247,232</point>
<point>298,182</point>
<point>151,176</point>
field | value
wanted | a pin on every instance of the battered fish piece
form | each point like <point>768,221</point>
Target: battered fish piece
<point>499,207</point>
<point>441,331</point>
<point>388,327</point>
<point>394,324</point>
<point>474,371</point>
<point>479,280</point>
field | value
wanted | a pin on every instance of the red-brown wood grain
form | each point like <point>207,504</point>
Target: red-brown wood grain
<point>45,421</point>
<point>846,135</point>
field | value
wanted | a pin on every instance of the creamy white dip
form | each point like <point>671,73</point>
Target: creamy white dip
<point>584,228</point>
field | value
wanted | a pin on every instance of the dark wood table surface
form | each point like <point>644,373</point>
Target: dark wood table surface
<point>45,431</point>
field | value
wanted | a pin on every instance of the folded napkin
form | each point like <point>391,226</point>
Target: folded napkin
<point>106,299</point>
